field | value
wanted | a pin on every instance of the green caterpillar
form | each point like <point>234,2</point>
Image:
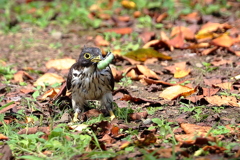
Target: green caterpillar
<point>106,61</point>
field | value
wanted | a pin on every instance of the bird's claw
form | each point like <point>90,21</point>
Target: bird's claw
<point>75,117</point>
<point>112,115</point>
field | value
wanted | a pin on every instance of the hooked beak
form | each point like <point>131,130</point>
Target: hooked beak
<point>96,59</point>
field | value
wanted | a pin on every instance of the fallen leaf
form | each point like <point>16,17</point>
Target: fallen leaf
<point>187,33</point>
<point>146,141</point>
<point>100,41</point>
<point>209,51</point>
<point>133,75</point>
<point>151,81</point>
<point>147,72</point>
<point>209,91</point>
<point>50,78</point>
<point>124,145</point>
<point>180,73</point>
<point>50,93</point>
<point>176,91</point>
<point>78,127</point>
<point>117,75</point>
<point>147,36</point>
<point>143,54</point>
<point>115,131</point>
<point>59,64</point>
<point>214,149</point>
<point>107,139</point>
<point>191,17</point>
<point>212,81</point>
<point>21,75</point>
<point>211,27</point>
<point>221,62</point>
<point>126,30</point>
<point>223,41</point>
<point>195,129</point>
<point>223,100</point>
<point>34,130</point>
<point>3,137</point>
<point>138,116</point>
<point>128,4</point>
<point>177,41</point>
<point>161,17</point>
<point>226,85</point>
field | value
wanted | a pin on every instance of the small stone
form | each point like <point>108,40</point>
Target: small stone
<point>147,121</point>
<point>57,35</point>
<point>199,65</point>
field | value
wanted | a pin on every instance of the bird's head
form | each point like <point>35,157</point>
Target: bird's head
<point>90,56</point>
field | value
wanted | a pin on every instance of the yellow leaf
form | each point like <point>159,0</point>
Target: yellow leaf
<point>173,92</point>
<point>128,4</point>
<point>143,54</point>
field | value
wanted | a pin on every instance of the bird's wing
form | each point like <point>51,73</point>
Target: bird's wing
<point>69,78</point>
<point>111,80</point>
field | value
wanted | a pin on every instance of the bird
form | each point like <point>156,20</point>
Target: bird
<point>86,82</point>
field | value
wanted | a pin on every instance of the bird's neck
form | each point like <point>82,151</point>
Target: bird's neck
<point>90,69</point>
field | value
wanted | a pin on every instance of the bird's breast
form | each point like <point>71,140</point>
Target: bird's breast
<point>91,86</point>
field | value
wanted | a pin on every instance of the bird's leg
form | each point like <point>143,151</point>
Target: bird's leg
<point>107,102</point>
<point>112,115</point>
<point>78,108</point>
<point>75,117</point>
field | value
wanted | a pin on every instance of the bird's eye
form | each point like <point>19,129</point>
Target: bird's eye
<point>87,55</point>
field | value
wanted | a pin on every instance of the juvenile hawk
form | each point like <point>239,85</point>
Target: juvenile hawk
<point>87,82</point>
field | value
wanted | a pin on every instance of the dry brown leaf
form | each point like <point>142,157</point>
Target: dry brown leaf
<point>59,64</point>
<point>209,91</point>
<point>117,75</point>
<point>223,41</point>
<point>21,75</point>
<point>226,85</point>
<point>147,72</point>
<point>126,30</point>
<point>124,18</point>
<point>195,129</point>
<point>180,73</point>
<point>211,27</point>
<point>198,45</point>
<point>221,62</point>
<point>161,17</point>
<point>100,41</point>
<point>3,137</point>
<point>34,130</point>
<point>192,139</point>
<point>151,81</point>
<point>187,33</point>
<point>50,78</point>
<point>223,100</point>
<point>177,41</point>
<point>191,17</point>
<point>174,92</point>
<point>132,74</point>
<point>209,50</point>
<point>138,116</point>
<point>50,93</point>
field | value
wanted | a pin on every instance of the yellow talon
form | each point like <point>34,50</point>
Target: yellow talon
<point>112,115</point>
<point>75,117</point>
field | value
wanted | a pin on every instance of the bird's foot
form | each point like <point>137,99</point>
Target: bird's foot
<point>112,115</point>
<point>75,117</point>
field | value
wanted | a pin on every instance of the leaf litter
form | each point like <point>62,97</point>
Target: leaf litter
<point>187,87</point>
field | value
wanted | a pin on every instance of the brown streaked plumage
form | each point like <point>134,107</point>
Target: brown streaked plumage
<point>87,82</point>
